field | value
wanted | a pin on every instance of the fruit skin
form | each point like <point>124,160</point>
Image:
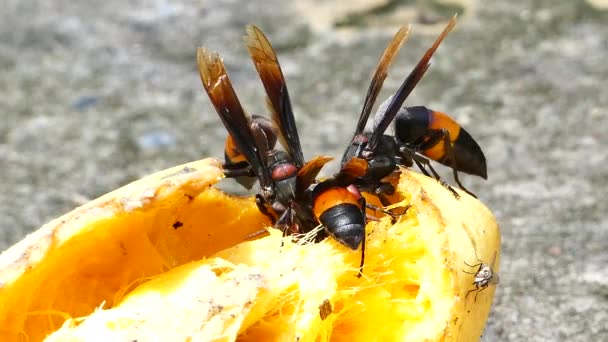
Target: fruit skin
<point>126,253</point>
<point>470,235</point>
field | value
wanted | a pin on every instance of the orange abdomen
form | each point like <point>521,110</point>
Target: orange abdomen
<point>331,197</point>
<point>231,152</point>
<point>438,121</point>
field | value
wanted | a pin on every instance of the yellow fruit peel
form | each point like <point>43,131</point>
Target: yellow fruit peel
<point>414,285</point>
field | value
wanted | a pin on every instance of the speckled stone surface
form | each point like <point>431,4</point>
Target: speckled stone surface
<point>94,96</point>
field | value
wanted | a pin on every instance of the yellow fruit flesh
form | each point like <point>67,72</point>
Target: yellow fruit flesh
<point>100,251</point>
<point>413,286</point>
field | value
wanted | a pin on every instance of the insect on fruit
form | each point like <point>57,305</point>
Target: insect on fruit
<point>439,137</point>
<point>340,207</point>
<point>282,175</point>
<point>289,194</point>
<point>484,277</point>
<point>385,153</point>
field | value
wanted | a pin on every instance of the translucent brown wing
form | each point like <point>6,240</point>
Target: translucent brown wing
<point>406,87</point>
<point>222,95</point>
<point>353,169</point>
<point>380,75</point>
<point>309,172</point>
<point>268,68</point>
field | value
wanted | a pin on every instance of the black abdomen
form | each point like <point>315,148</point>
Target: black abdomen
<point>469,157</point>
<point>346,223</point>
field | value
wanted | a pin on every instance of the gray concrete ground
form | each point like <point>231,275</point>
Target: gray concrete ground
<point>96,94</point>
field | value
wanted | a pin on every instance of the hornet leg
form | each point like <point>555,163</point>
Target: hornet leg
<point>449,150</point>
<point>363,204</point>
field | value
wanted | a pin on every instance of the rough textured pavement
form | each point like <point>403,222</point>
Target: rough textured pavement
<point>93,97</point>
